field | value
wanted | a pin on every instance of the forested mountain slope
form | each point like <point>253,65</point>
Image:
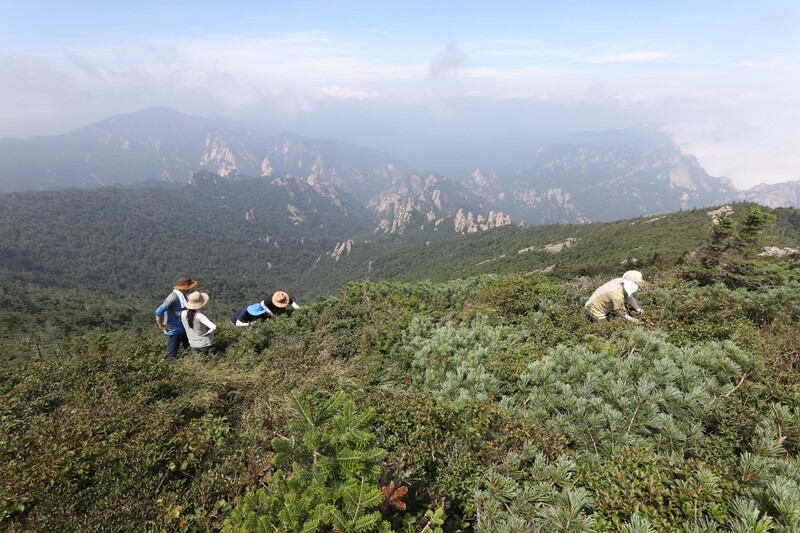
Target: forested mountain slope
<point>252,232</point>
<point>481,404</point>
<point>243,238</point>
<point>561,250</point>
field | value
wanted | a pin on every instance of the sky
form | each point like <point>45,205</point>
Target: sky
<point>721,77</point>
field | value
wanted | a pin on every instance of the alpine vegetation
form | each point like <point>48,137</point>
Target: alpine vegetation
<point>484,403</point>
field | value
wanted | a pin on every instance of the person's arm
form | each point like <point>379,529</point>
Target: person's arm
<point>619,306</point>
<point>633,303</point>
<point>162,324</point>
<point>207,323</point>
<point>294,305</point>
<point>163,309</point>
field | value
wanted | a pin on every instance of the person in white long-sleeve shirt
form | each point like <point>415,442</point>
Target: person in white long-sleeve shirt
<point>199,329</point>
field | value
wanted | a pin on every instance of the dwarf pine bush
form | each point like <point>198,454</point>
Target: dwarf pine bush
<point>771,475</point>
<point>526,492</point>
<point>451,361</point>
<point>646,389</point>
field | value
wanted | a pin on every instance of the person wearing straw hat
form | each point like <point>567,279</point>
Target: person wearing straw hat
<point>168,317</point>
<point>199,329</point>
<point>612,296</point>
<point>278,303</point>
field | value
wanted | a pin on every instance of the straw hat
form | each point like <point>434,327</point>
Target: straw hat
<point>280,299</point>
<point>184,283</point>
<point>196,300</point>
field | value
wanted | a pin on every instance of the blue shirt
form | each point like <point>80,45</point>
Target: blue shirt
<point>170,313</point>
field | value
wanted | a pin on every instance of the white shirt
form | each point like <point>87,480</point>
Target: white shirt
<point>201,325</point>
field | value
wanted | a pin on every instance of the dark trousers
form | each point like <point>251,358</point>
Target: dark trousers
<point>214,349</point>
<point>174,342</point>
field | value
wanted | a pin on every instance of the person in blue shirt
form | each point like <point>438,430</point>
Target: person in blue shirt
<point>168,317</point>
<point>277,303</point>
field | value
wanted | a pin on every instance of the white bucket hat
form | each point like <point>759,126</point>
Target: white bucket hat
<point>634,276</point>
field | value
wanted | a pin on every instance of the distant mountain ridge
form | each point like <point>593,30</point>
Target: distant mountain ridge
<point>570,178</point>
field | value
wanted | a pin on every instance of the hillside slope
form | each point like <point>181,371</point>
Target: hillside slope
<point>481,404</point>
<point>560,250</point>
<point>250,236</point>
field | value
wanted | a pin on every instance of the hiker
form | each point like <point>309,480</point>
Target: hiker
<point>277,303</point>
<point>612,296</point>
<point>199,329</point>
<point>168,317</point>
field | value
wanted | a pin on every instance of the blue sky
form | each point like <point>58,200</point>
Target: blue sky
<point>723,78</point>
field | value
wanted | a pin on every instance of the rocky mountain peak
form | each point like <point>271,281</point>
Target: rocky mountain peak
<point>570,178</point>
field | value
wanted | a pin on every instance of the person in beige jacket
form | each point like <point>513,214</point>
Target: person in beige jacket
<point>612,296</point>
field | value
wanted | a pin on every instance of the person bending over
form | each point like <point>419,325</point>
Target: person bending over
<point>612,296</point>
<point>277,303</point>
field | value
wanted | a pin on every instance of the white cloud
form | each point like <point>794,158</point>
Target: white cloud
<point>495,73</point>
<point>334,91</point>
<point>737,123</point>
<point>742,138</point>
<point>448,60</point>
<point>630,57</point>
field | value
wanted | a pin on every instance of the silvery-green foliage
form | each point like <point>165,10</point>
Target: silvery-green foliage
<point>528,492</point>
<point>451,360</point>
<point>646,388</point>
<point>748,518</point>
<point>637,524</point>
<point>772,476</point>
<point>701,525</point>
<point>782,497</point>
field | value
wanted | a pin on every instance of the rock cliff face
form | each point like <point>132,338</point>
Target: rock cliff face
<point>469,223</point>
<point>429,200</point>
<point>776,195</point>
<point>579,179</point>
<point>341,248</point>
<point>485,184</point>
<point>573,183</point>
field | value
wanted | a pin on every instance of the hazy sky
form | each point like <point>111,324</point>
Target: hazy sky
<point>723,77</point>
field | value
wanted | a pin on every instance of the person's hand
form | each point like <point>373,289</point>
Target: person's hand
<point>204,334</point>
<point>166,326</point>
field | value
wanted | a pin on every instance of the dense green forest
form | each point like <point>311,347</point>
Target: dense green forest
<point>252,236</point>
<point>241,234</point>
<point>484,402</point>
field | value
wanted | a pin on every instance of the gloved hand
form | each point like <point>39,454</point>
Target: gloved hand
<point>629,318</point>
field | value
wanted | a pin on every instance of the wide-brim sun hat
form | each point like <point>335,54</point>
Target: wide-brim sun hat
<point>196,300</point>
<point>280,299</point>
<point>256,309</point>
<point>634,276</point>
<point>185,283</point>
